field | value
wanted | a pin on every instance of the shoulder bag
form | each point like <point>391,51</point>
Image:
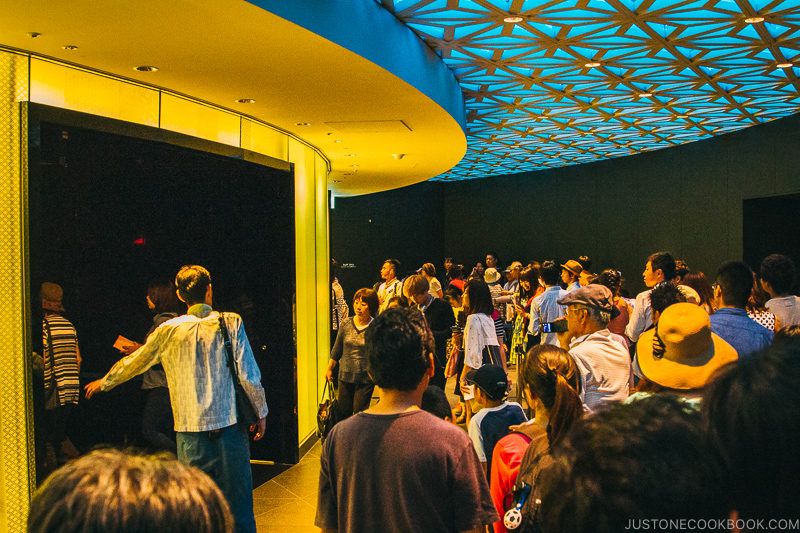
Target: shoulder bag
<point>328,411</point>
<point>51,401</point>
<point>245,412</point>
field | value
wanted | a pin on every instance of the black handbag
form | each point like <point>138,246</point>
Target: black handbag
<point>328,411</point>
<point>491,355</point>
<point>245,412</point>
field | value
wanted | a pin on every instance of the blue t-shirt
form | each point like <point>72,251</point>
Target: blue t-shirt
<point>740,331</point>
<point>490,424</point>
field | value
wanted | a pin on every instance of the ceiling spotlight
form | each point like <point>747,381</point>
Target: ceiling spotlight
<point>682,116</point>
<point>754,20</point>
<point>785,65</point>
<point>146,68</point>
<point>34,34</point>
<point>246,101</point>
<point>349,155</point>
<point>592,64</point>
<point>69,47</point>
<point>513,19</point>
<point>645,95</point>
<point>337,141</point>
<point>398,156</point>
<point>302,123</point>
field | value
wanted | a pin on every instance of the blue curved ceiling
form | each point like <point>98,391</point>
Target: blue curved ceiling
<point>554,83</point>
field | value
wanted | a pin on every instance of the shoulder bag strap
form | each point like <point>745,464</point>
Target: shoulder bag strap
<point>228,349</point>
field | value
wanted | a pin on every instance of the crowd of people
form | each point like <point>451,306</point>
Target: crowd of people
<point>674,410</point>
<point>676,405</point>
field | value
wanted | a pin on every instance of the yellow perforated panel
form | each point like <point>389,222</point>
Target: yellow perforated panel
<point>16,449</point>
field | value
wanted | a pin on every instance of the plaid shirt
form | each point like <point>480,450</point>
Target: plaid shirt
<point>192,352</point>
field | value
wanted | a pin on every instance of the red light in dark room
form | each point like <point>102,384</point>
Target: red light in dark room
<point>139,241</point>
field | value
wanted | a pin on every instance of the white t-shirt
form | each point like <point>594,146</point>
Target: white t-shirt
<point>478,332</point>
<point>786,310</point>
<point>434,288</point>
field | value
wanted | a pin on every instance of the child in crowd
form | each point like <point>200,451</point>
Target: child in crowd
<point>495,415</point>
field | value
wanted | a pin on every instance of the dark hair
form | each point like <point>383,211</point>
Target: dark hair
<point>699,282</point>
<point>612,279</point>
<point>456,271</point>
<point>752,420</point>
<point>645,459</point>
<point>550,272</point>
<point>664,262</point>
<point>397,346</point>
<point>735,280</point>
<point>778,270</point>
<point>480,299</point>
<point>663,295</point>
<point>531,275</point>
<point>162,294</point>
<point>397,301</point>
<point>369,297</point>
<point>192,281</point>
<point>758,298</point>
<point>395,265</point>
<point>112,490</point>
<point>429,269</point>
<point>434,400</point>
<point>586,262</point>
<point>551,376</point>
<point>788,334</point>
<point>681,268</point>
<point>496,257</point>
<point>453,292</point>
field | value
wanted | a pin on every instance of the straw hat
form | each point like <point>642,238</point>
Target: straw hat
<point>573,266</point>
<point>491,275</point>
<point>681,352</point>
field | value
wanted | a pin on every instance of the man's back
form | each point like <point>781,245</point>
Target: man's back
<point>404,472</point>
<point>740,331</point>
<point>605,367</point>
<point>786,309</point>
<point>545,308</point>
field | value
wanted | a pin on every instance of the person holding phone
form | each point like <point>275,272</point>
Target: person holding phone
<point>545,307</point>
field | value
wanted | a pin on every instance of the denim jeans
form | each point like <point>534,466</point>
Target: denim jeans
<point>225,457</point>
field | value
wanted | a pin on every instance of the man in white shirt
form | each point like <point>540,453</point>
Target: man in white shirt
<point>391,286</point>
<point>545,307</point>
<point>192,349</point>
<point>777,279</point>
<point>659,268</point>
<point>601,356</point>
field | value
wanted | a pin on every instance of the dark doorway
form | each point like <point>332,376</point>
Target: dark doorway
<point>114,206</point>
<point>769,228</point>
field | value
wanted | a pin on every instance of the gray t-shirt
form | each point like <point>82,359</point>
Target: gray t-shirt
<point>404,472</point>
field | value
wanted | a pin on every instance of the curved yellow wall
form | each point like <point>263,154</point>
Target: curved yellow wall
<point>26,78</point>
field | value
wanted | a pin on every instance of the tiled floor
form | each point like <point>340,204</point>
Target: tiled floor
<point>288,502</point>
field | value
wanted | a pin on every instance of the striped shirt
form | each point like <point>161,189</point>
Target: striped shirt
<point>61,358</point>
<point>192,352</point>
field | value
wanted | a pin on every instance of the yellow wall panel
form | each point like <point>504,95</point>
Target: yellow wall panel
<point>16,430</point>
<point>199,120</point>
<point>323,269</point>
<point>264,140</point>
<point>305,246</point>
<point>71,88</point>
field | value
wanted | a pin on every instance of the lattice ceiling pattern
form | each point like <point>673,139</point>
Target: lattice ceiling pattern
<point>554,83</point>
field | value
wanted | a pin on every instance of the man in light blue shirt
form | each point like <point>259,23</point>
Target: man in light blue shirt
<point>732,289</point>
<point>545,307</point>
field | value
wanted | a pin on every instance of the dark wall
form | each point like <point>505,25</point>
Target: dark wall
<point>405,224</point>
<point>686,199</point>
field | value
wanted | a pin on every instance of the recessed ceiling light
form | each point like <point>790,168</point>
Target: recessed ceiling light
<point>337,141</point>
<point>513,19</point>
<point>754,20</point>
<point>785,65</point>
<point>34,34</point>
<point>146,68</point>
<point>592,64</point>
<point>349,155</point>
<point>645,95</point>
<point>302,123</point>
<point>246,100</point>
<point>69,47</point>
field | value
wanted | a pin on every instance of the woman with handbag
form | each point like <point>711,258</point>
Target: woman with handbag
<point>481,345</point>
<point>355,386</point>
<point>62,363</point>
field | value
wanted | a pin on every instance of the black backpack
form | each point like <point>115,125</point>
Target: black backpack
<point>523,517</point>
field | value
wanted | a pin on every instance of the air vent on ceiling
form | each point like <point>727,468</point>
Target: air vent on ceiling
<point>370,126</point>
